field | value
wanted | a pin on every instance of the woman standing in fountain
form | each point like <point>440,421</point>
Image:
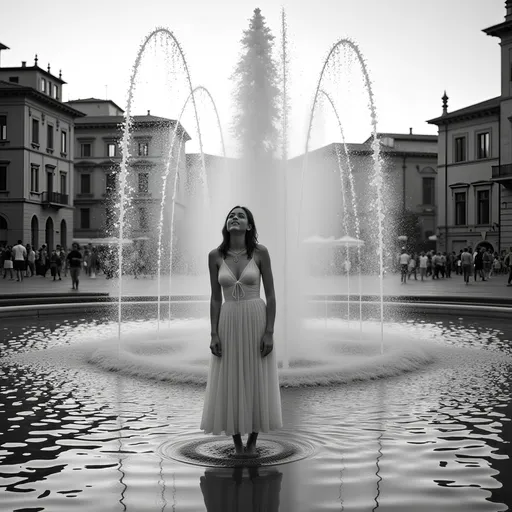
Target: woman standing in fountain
<point>242,394</point>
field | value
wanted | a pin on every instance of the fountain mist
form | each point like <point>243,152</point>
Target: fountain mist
<point>124,195</point>
<point>191,96</point>
<point>377,180</point>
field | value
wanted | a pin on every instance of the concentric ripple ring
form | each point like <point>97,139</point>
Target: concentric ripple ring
<point>272,449</point>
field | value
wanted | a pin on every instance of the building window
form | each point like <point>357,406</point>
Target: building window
<point>143,182</point>
<point>63,142</point>
<point>34,178</point>
<point>43,85</point>
<point>460,149</point>
<point>3,127</point>
<point>483,200</point>
<point>14,79</point>
<point>85,218</point>
<point>143,219</point>
<point>111,183</point>
<point>460,208</point>
<point>3,177</point>
<point>63,183</point>
<point>483,145</point>
<point>55,92</point>
<point>111,150</point>
<point>49,141</point>
<point>85,183</point>
<point>143,148</point>
<point>86,149</point>
<point>429,185</point>
<point>35,131</point>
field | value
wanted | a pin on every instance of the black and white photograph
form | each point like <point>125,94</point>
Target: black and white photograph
<point>256,256</point>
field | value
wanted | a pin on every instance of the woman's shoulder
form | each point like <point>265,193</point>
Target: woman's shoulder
<point>214,253</point>
<point>261,248</point>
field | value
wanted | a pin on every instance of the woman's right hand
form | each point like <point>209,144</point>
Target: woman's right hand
<point>216,346</point>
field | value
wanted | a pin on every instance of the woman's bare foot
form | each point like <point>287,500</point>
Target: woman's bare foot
<point>250,448</point>
<point>239,445</point>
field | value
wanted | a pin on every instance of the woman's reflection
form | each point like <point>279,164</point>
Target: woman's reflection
<point>241,489</point>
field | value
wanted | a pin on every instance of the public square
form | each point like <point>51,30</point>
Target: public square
<point>256,257</point>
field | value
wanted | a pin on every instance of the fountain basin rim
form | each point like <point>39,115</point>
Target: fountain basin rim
<point>58,309</point>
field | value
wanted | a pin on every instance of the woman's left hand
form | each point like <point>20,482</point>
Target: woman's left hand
<point>266,344</point>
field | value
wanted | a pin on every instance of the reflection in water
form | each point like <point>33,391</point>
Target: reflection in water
<point>162,483</point>
<point>377,473</point>
<point>70,430</point>
<point>237,491</point>
<point>381,429</point>
<point>119,420</point>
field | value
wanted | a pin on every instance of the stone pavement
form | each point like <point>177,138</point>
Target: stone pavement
<point>200,285</point>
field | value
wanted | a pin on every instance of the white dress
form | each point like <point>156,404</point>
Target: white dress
<point>242,393</point>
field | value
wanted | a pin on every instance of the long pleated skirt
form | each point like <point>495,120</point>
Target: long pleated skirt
<point>242,393</point>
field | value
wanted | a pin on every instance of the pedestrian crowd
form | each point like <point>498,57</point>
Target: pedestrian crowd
<point>482,263</point>
<point>23,261</point>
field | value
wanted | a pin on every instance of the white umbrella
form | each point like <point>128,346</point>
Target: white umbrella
<point>110,241</point>
<point>318,240</point>
<point>349,241</point>
<point>346,241</point>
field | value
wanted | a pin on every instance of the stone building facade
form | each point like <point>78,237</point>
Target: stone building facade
<point>475,163</point>
<point>36,157</point>
<point>98,136</point>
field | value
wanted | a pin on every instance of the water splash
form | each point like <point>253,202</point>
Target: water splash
<point>377,180</point>
<point>353,197</point>
<point>191,96</point>
<point>124,191</point>
<point>343,198</point>
<point>284,135</point>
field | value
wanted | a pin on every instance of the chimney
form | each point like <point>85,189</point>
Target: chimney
<point>445,103</point>
<point>410,131</point>
<point>508,7</point>
<point>23,63</point>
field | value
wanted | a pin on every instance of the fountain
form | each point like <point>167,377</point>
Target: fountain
<point>337,358</point>
<point>349,441</point>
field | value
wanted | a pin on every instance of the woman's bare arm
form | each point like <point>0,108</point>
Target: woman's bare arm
<point>216,296</point>
<point>268,284</point>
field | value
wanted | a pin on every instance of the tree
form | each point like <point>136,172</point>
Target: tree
<point>256,92</point>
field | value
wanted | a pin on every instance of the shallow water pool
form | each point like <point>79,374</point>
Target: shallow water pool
<point>437,438</point>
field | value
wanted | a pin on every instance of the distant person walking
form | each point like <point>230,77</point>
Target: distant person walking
<point>60,254</point>
<point>487,259</point>
<point>412,267</point>
<point>466,261</point>
<point>75,262</point>
<point>31,261</point>
<point>7,255</point>
<point>479,264</point>
<point>19,254</point>
<point>423,265</point>
<point>508,262</point>
<point>404,265</point>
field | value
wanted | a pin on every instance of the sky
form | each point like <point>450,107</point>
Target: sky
<point>414,50</point>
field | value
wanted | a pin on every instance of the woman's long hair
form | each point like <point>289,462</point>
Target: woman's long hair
<point>251,237</point>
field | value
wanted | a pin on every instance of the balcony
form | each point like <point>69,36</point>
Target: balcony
<point>502,174</point>
<point>55,199</point>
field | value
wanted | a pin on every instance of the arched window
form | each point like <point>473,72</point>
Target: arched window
<point>63,234</point>
<point>34,232</point>
<point>3,230</point>
<point>49,234</point>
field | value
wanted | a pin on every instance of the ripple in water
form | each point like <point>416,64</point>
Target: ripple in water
<point>272,449</point>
